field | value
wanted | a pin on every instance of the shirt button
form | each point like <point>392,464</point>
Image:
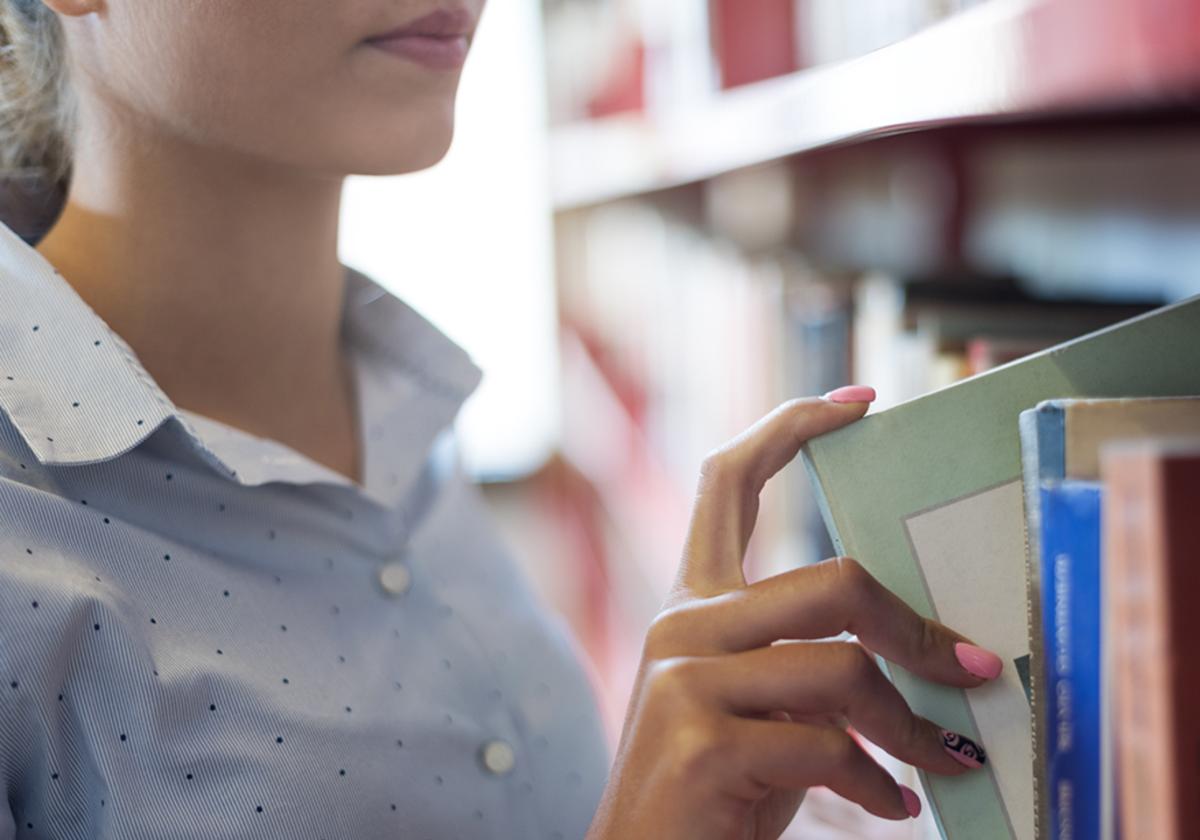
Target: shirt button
<point>498,757</point>
<point>395,578</point>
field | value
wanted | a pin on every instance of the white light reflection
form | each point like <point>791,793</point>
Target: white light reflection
<point>468,244</point>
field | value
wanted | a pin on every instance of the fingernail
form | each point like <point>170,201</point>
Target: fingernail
<point>963,750</point>
<point>851,394</point>
<point>980,662</point>
<point>912,802</point>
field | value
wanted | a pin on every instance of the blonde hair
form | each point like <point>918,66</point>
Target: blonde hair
<point>37,107</point>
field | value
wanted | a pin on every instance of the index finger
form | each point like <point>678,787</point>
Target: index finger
<point>733,475</point>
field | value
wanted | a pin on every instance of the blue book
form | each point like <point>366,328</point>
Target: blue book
<point>1071,623</point>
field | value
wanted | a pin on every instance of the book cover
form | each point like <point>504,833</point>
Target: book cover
<point>1070,618</point>
<point>1152,540</point>
<point>928,497</point>
<point>1061,439</point>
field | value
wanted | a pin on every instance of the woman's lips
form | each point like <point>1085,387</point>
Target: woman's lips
<point>437,52</point>
<point>438,40</point>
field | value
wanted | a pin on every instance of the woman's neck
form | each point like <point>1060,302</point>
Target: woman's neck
<point>221,272</point>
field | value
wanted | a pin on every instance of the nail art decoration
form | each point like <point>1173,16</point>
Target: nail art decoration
<point>963,749</point>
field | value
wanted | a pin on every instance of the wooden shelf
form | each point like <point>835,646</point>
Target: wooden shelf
<point>1004,60</point>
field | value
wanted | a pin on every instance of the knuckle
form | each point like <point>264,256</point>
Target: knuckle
<point>919,732</point>
<point>861,665</point>
<point>675,677</point>
<point>927,641</point>
<point>668,632</point>
<point>843,751</point>
<point>728,469</point>
<point>718,467</point>
<point>698,748</point>
<point>854,580</point>
<point>851,573</point>
<point>693,743</point>
<point>826,574</point>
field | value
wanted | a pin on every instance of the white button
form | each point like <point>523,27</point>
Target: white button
<point>395,578</point>
<point>498,757</point>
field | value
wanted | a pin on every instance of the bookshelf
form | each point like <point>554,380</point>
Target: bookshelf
<point>905,207</point>
<point>1004,60</point>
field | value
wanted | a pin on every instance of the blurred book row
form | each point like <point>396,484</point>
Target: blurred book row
<point>614,56</point>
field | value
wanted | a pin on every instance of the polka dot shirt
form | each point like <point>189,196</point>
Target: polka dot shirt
<point>207,634</point>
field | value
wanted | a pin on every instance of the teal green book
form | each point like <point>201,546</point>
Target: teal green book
<point>928,496</point>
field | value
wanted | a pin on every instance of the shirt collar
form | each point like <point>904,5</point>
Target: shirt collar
<point>77,393</point>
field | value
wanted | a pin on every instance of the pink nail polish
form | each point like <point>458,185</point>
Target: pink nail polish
<point>963,750</point>
<point>851,394</point>
<point>977,661</point>
<point>912,803</point>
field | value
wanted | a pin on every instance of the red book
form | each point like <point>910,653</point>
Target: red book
<point>1151,583</point>
<point>753,39</point>
<point>623,89</point>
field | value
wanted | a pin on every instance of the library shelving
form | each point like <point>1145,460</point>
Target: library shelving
<point>1004,60</point>
<point>1004,178</point>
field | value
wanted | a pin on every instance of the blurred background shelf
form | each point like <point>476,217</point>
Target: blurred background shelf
<point>1007,60</point>
<point>755,200</point>
<point>670,217</point>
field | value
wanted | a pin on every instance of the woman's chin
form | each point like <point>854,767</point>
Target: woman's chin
<point>401,156</point>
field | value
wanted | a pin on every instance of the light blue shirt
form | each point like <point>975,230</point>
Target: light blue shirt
<point>206,634</point>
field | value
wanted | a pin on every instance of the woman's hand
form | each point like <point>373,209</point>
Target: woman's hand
<point>732,717</point>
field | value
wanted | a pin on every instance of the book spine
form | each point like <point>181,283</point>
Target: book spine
<point>1152,541</point>
<point>1181,490</point>
<point>1030,469</point>
<point>1071,610</point>
<point>752,46</point>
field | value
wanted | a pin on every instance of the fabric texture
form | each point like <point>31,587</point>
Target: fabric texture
<point>207,634</point>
